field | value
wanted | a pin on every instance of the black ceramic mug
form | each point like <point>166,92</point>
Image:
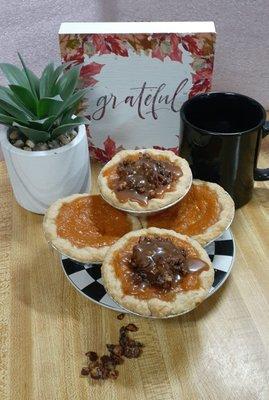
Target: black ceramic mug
<point>222,133</point>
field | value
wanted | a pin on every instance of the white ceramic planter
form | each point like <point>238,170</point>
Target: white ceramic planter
<point>41,177</point>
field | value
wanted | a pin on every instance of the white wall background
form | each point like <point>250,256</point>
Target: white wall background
<point>242,53</point>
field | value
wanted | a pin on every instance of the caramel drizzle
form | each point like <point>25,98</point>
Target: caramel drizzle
<point>190,281</point>
<point>114,181</point>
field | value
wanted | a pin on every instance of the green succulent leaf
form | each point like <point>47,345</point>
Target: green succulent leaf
<point>72,101</point>
<point>59,71</point>
<point>7,119</point>
<point>7,95</point>
<point>49,106</point>
<point>46,81</point>
<point>67,117</point>
<point>25,97</point>
<point>14,111</point>
<point>41,108</point>
<point>43,124</point>
<point>14,75</point>
<point>68,127</point>
<point>33,134</point>
<point>32,79</point>
<point>69,81</point>
<point>4,112</point>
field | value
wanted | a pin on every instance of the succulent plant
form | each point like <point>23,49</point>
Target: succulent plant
<point>41,108</point>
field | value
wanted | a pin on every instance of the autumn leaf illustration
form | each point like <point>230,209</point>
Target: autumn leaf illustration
<point>105,154</point>
<point>88,71</point>
<point>107,44</point>
<point>166,45</point>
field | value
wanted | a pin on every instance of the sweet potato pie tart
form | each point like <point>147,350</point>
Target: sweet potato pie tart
<point>204,213</point>
<point>84,226</point>
<point>157,272</point>
<point>144,180</point>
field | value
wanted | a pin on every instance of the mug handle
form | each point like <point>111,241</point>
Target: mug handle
<point>262,174</point>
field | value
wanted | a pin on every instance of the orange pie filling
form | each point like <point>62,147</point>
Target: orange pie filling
<point>158,267</point>
<point>90,221</point>
<point>140,178</point>
<point>192,215</point>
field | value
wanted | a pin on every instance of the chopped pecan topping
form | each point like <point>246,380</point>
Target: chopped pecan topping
<point>144,178</point>
<point>158,262</point>
<point>143,175</point>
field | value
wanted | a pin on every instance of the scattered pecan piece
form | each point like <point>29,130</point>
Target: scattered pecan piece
<point>92,355</point>
<point>113,374</point>
<point>115,349</point>
<point>120,316</point>
<point>105,366</point>
<point>117,360</point>
<point>85,371</point>
<point>97,371</point>
<point>131,328</point>
<point>132,351</point>
<point>131,348</point>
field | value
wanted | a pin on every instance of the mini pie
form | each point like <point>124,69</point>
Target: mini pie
<point>204,213</point>
<point>144,180</point>
<point>157,272</point>
<point>84,226</point>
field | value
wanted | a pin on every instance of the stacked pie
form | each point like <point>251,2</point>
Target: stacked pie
<point>148,227</point>
<point>144,180</point>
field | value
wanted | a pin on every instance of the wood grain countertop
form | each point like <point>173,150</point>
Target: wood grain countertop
<point>219,351</point>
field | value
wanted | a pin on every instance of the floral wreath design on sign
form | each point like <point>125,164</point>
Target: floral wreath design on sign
<point>75,47</point>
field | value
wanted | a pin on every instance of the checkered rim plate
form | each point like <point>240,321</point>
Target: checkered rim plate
<point>87,277</point>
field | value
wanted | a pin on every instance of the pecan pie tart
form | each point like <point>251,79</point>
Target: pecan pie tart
<point>157,272</point>
<point>204,213</point>
<point>84,226</point>
<point>144,180</point>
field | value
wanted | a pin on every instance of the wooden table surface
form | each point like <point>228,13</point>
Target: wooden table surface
<point>218,351</point>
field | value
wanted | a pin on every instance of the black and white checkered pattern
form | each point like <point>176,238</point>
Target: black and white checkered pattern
<point>87,278</point>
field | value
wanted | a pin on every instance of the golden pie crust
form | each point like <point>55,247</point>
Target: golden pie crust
<point>86,253</point>
<point>182,302</point>
<point>211,230</point>
<point>180,188</point>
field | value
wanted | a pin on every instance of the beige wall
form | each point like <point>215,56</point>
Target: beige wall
<point>242,53</point>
